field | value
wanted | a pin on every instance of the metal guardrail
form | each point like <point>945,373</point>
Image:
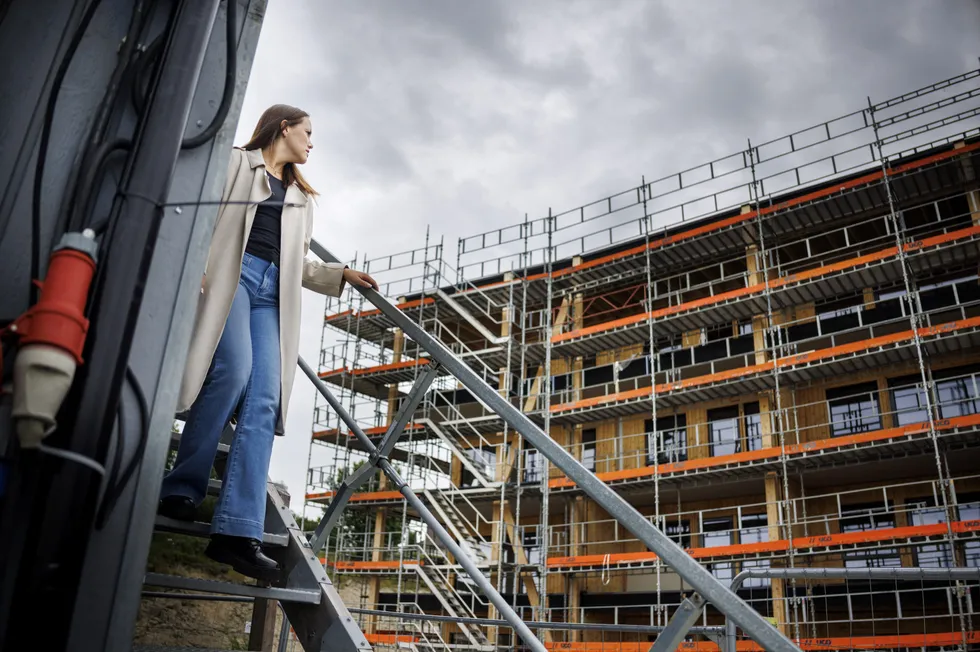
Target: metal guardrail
<point>951,574</point>
<point>673,555</point>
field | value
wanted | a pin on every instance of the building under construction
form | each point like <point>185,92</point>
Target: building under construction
<point>773,356</point>
<point>765,360</point>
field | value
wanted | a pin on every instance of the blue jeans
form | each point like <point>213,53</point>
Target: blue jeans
<point>245,375</point>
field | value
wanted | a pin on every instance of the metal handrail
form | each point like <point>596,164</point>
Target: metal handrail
<point>452,494</point>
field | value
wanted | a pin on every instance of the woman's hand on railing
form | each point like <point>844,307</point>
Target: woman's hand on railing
<point>361,279</point>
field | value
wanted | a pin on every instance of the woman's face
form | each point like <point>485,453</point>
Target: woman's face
<point>297,140</point>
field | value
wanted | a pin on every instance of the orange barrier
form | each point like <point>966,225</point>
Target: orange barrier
<point>373,565</point>
<point>912,641</point>
<point>769,453</point>
<point>332,372</point>
<point>927,331</point>
<point>391,639</point>
<point>743,217</point>
<point>368,313</point>
<point>366,496</point>
<point>363,371</point>
<point>775,451</point>
<point>392,366</point>
<point>370,432</point>
<point>779,545</point>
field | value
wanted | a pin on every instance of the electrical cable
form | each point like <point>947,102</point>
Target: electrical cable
<point>83,205</point>
<point>138,89</point>
<point>102,515</point>
<point>147,59</point>
<point>93,155</point>
<point>44,141</point>
<point>93,173</point>
<point>92,168</point>
<point>231,72</point>
<point>114,489</point>
<point>94,161</point>
<point>72,456</point>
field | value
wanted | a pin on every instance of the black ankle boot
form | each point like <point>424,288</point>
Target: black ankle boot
<point>244,555</point>
<point>180,508</point>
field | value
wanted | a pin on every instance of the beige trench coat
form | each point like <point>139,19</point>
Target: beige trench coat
<point>245,187</point>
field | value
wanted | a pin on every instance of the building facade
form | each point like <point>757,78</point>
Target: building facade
<point>773,356</point>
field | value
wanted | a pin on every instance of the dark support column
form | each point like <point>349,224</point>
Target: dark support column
<point>263,637</point>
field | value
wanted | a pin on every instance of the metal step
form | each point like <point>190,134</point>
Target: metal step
<point>326,624</point>
<point>199,529</point>
<point>301,596</point>
<point>313,606</point>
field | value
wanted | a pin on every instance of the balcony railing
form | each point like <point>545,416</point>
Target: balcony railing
<point>900,509</point>
<point>863,417</point>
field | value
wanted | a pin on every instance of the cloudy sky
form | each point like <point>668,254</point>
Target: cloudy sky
<point>464,115</point>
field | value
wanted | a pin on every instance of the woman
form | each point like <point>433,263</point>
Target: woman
<point>245,343</point>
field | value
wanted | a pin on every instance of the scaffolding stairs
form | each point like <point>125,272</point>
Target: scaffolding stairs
<point>309,600</point>
<point>453,604</point>
<point>452,442</point>
<point>458,526</point>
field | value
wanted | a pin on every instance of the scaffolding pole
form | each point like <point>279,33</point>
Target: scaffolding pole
<point>672,554</point>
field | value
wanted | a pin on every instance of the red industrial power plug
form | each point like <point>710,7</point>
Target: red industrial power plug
<point>52,336</point>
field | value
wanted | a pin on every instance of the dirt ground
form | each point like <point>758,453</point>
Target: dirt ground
<point>194,623</point>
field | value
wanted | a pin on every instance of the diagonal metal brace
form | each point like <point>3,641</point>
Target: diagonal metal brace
<point>679,625</point>
<point>405,412</point>
<point>366,471</point>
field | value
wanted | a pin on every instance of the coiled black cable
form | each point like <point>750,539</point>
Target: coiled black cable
<point>231,72</point>
<point>114,485</point>
<point>93,157</point>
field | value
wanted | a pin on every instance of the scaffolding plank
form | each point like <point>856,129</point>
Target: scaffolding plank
<point>302,596</point>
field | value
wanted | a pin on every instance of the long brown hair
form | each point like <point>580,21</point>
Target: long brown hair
<point>269,129</point>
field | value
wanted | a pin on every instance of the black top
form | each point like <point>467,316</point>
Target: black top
<point>266,233</point>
